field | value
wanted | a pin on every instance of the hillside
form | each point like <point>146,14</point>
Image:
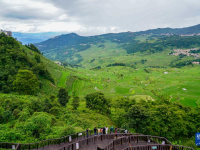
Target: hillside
<point>29,107</point>
<point>131,48</point>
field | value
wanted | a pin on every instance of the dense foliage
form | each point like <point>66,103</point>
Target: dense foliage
<point>26,83</point>
<point>33,48</point>
<point>97,101</point>
<point>13,58</point>
<point>63,96</point>
<point>162,118</point>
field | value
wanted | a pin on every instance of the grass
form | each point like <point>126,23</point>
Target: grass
<point>138,84</point>
<point>63,79</point>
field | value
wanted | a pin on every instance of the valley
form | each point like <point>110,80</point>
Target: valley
<point>126,80</point>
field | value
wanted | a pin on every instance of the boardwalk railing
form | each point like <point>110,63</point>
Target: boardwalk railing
<point>93,139</point>
<point>37,145</point>
<point>8,145</point>
<point>136,139</point>
<point>158,147</point>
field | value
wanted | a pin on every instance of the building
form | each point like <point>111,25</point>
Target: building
<point>7,33</point>
<point>195,63</point>
<point>57,62</point>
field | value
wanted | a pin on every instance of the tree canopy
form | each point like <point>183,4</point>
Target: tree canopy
<point>26,82</point>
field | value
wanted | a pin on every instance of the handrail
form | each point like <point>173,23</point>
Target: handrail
<point>94,139</point>
<point>147,138</point>
<point>166,146</point>
<point>43,143</point>
<point>18,147</point>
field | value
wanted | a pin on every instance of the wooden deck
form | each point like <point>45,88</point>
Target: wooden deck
<point>94,144</point>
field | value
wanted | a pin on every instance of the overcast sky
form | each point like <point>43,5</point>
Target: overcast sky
<point>92,17</point>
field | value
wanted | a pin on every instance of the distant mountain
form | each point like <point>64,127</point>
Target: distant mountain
<point>187,30</point>
<point>74,49</point>
<point>26,38</point>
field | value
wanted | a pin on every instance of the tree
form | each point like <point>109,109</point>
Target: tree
<point>75,102</point>
<point>63,96</point>
<point>97,101</point>
<point>138,118</point>
<point>37,57</point>
<point>26,82</point>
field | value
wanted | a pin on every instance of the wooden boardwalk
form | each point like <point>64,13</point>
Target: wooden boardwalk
<point>99,142</point>
<point>119,141</point>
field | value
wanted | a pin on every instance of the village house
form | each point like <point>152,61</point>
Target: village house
<point>195,63</point>
<point>185,52</point>
<point>7,33</point>
<point>57,62</point>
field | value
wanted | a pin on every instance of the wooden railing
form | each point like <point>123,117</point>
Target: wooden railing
<point>7,145</point>
<point>158,147</point>
<point>48,142</point>
<point>93,139</point>
<point>136,139</point>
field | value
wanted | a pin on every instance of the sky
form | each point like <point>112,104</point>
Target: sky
<point>94,17</point>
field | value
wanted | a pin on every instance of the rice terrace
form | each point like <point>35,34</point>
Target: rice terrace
<point>178,84</point>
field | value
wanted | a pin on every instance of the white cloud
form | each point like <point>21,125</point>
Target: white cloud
<point>90,17</point>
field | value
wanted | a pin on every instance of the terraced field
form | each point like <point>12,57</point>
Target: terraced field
<point>176,84</point>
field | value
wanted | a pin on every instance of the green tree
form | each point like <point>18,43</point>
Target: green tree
<point>37,57</point>
<point>63,96</point>
<point>26,82</point>
<point>97,101</point>
<point>75,102</point>
<point>138,118</point>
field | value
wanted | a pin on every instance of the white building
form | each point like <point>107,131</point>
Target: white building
<point>7,33</point>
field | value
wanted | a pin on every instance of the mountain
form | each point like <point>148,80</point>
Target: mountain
<point>107,49</point>
<point>26,38</point>
<point>187,30</point>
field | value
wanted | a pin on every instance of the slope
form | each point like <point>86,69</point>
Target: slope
<point>30,117</point>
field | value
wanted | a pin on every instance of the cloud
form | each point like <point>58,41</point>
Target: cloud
<point>90,17</point>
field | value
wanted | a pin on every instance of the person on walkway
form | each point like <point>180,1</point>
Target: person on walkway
<point>95,131</point>
<point>106,130</point>
<point>111,130</point>
<point>125,131</point>
<point>87,133</point>
<point>116,132</point>
<point>101,131</point>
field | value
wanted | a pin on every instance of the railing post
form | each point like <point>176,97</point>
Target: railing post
<point>72,146</point>
<point>121,141</point>
<point>29,147</point>
<point>77,135</point>
<point>37,145</point>
<point>129,139</point>
<point>87,141</point>
<point>137,139</point>
<point>101,137</point>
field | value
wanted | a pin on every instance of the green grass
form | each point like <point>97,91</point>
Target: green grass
<point>63,79</point>
<point>136,83</point>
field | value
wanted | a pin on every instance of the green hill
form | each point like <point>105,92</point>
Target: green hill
<point>130,48</point>
<point>29,107</point>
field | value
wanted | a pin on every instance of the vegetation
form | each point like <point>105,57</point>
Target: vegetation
<point>129,81</point>
<point>63,96</point>
<point>97,101</point>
